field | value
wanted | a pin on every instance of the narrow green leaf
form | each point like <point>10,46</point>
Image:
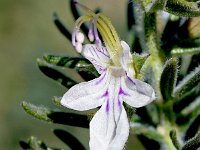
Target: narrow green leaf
<point>189,113</point>
<point>187,99</point>
<point>38,112</point>
<point>56,100</point>
<point>130,15</point>
<point>149,143</point>
<point>81,65</point>
<point>55,75</point>
<point>145,115</point>
<point>24,145</point>
<point>182,8</point>
<point>61,27</point>
<point>153,5</point>
<point>168,79</point>
<point>69,62</point>
<point>45,114</point>
<point>149,132</point>
<point>193,128</point>
<point>70,119</point>
<point>33,142</point>
<point>193,143</point>
<point>170,33</point>
<point>184,51</point>
<point>174,139</point>
<point>69,139</point>
<point>188,83</point>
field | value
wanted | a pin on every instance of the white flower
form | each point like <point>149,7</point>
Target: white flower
<point>109,128</point>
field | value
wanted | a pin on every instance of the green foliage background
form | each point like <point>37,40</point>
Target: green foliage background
<point>26,33</point>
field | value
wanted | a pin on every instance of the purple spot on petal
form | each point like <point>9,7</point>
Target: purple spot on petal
<point>107,106</point>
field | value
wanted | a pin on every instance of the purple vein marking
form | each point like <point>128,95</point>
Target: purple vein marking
<point>130,80</point>
<point>107,105</point>
<point>106,94</point>
<point>121,92</point>
<point>101,79</point>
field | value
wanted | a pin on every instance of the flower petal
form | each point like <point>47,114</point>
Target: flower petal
<point>86,95</point>
<point>109,128</point>
<point>122,132</point>
<point>138,93</point>
<point>98,56</point>
<point>106,133</point>
<point>126,59</point>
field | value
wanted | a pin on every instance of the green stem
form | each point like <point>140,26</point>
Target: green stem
<point>156,60</point>
<point>165,131</point>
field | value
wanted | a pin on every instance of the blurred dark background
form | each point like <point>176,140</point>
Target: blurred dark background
<point>27,32</point>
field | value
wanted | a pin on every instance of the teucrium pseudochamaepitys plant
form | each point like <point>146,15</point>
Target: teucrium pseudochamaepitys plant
<point>163,52</point>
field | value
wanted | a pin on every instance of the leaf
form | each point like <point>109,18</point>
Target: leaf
<point>193,143</point>
<point>174,139</point>
<point>153,6</point>
<point>81,65</point>
<point>45,114</point>
<point>184,51</point>
<point>188,83</point>
<point>169,35</point>
<point>189,113</point>
<point>130,19</point>
<point>61,27</point>
<point>24,145</point>
<point>149,143</point>
<point>38,112</point>
<point>55,75</point>
<point>145,116</point>
<point>70,119</point>
<point>69,139</point>
<point>56,100</point>
<point>35,144</point>
<point>182,8</point>
<point>168,79</point>
<point>149,132</point>
<point>187,99</point>
<point>193,128</point>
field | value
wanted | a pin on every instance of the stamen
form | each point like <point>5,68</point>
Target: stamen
<point>97,39</point>
<point>90,33</point>
<point>74,37</point>
<point>105,28</point>
<point>79,37</point>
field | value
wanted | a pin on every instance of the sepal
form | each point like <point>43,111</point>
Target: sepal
<point>139,62</point>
